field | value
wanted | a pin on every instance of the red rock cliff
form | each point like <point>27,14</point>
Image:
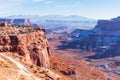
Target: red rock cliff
<point>29,42</point>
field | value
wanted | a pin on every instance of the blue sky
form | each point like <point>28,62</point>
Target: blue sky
<point>98,9</point>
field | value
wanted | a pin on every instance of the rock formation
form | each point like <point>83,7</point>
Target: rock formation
<point>28,42</point>
<point>103,38</point>
<point>9,70</point>
<point>25,22</point>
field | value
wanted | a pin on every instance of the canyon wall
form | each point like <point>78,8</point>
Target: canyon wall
<point>103,39</point>
<point>25,22</point>
<point>28,42</point>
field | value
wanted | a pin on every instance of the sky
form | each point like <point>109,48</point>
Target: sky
<point>97,9</point>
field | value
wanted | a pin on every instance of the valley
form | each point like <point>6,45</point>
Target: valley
<point>98,47</point>
<point>62,51</point>
<point>59,40</point>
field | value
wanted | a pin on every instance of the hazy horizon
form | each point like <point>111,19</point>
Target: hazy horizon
<point>95,9</point>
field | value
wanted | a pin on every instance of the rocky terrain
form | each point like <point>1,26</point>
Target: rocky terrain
<point>12,70</point>
<point>28,42</point>
<point>71,66</point>
<point>102,39</point>
<point>29,46</point>
<point>25,22</point>
<point>99,46</point>
<point>64,27</point>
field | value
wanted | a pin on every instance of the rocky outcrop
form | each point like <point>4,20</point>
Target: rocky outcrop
<point>28,42</point>
<point>108,25</point>
<point>103,39</point>
<point>10,71</point>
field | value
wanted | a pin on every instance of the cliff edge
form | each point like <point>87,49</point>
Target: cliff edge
<point>28,42</point>
<point>29,46</point>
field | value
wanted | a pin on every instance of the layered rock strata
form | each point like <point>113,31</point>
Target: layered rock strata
<point>28,42</point>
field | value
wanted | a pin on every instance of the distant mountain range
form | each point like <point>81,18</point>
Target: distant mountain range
<point>51,21</point>
<point>50,17</point>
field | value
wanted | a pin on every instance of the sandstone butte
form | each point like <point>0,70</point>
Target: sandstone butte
<point>29,46</point>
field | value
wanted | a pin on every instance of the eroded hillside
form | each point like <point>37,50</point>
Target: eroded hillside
<point>29,46</point>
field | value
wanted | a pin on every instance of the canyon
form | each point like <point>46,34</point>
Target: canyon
<point>79,55</point>
<point>98,46</point>
<point>29,46</point>
<point>102,39</point>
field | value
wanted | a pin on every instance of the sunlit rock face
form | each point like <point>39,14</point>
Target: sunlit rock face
<point>29,42</point>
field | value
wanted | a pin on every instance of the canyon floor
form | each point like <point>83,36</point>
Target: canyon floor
<point>74,66</point>
<point>65,64</point>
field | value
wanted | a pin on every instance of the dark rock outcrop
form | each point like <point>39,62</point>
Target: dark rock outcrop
<point>104,39</point>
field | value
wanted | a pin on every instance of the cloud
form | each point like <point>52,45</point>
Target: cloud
<point>48,2</point>
<point>44,1</point>
<point>37,0</point>
<point>8,7</point>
